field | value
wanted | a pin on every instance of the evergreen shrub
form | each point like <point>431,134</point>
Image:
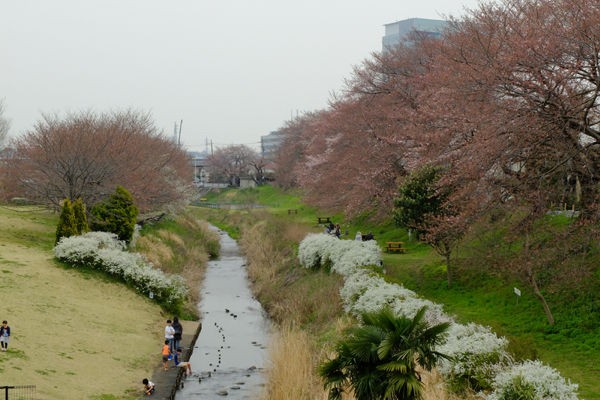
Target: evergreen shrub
<point>66,222</point>
<point>117,214</point>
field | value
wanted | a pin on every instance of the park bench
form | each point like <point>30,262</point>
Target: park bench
<point>395,247</point>
<point>292,211</point>
<point>323,220</point>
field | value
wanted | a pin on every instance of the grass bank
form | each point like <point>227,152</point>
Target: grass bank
<point>182,245</point>
<point>75,334</point>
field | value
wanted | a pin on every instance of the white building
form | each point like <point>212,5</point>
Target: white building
<point>270,143</point>
<point>402,31</point>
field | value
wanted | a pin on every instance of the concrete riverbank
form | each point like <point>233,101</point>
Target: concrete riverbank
<point>168,382</point>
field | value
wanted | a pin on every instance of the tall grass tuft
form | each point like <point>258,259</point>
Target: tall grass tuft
<point>435,388</point>
<point>288,292</point>
<point>292,374</point>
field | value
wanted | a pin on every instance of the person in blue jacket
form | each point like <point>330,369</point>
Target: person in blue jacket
<point>4,335</point>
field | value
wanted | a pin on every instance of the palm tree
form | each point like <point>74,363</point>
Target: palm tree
<point>378,360</point>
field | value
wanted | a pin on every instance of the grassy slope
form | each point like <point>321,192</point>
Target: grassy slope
<point>76,335</point>
<point>572,346</point>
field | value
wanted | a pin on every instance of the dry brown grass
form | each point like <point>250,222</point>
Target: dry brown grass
<point>435,388</point>
<point>292,374</point>
<point>263,259</point>
<point>154,249</point>
<point>171,237</point>
<point>289,293</point>
<point>74,336</point>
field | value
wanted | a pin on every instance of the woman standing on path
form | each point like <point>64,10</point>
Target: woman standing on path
<point>178,333</point>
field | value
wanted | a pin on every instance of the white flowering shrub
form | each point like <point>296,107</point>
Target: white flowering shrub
<point>344,256</point>
<point>379,295</point>
<point>477,354</point>
<point>352,254</point>
<point>313,248</point>
<point>103,251</point>
<point>532,380</point>
<point>356,284</point>
<point>410,305</point>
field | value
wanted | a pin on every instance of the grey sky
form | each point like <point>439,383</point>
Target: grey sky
<point>232,70</point>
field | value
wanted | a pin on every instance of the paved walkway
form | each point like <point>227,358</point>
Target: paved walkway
<point>167,382</point>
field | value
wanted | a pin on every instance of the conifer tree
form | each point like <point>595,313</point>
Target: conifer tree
<point>66,222</point>
<point>117,214</point>
<point>81,222</point>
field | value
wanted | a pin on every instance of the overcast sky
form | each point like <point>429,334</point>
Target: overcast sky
<point>232,70</point>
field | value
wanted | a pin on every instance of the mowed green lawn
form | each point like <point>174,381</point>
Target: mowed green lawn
<point>75,335</point>
<point>575,352</point>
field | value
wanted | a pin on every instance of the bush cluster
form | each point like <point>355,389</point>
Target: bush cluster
<point>479,359</point>
<point>103,251</point>
<point>116,214</point>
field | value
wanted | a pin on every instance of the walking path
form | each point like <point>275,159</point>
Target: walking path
<point>167,382</point>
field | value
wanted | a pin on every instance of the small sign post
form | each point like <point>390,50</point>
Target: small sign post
<point>151,295</point>
<point>518,293</point>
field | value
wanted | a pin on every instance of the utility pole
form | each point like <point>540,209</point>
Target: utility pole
<point>179,136</point>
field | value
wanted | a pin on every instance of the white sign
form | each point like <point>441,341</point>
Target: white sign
<point>517,291</point>
<point>151,295</point>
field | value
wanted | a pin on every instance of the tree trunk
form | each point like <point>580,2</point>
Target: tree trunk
<point>533,283</point>
<point>448,270</point>
<point>540,296</point>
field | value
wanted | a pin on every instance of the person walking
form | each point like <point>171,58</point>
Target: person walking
<point>4,335</point>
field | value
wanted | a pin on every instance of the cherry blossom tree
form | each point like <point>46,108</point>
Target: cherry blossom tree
<point>516,113</point>
<point>506,102</point>
<point>292,151</point>
<point>230,163</point>
<point>87,155</point>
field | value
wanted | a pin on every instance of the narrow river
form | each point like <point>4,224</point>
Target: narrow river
<point>231,352</point>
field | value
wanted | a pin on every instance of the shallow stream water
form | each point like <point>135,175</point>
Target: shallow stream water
<point>229,358</point>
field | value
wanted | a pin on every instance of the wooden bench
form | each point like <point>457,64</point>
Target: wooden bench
<point>395,247</point>
<point>292,211</point>
<point>323,220</point>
